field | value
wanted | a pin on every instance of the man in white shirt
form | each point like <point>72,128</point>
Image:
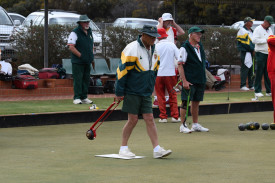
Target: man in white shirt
<point>173,30</point>
<point>259,38</point>
<point>166,78</point>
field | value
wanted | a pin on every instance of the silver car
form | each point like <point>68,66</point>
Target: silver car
<point>7,27</point>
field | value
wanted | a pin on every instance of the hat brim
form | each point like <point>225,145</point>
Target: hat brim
<point>202,31</point>
<point>87,20</point>
<point>152,34</point>
<point>167,19</point>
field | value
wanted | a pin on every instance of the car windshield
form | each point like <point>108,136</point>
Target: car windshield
<point>29,20</point>
<point>63,21</point>
<point>139,23</point>
<point>4,20</point>
<point>70,21</point>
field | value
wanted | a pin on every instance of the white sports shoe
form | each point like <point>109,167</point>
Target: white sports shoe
<point>244,88</point>
<point>184,129</point>
<point>86,101</point>
<point>162,153</point>
<point>198,128</point>
<point>252,88</point>
<point>259,95</point>
<point>126,153</point>
<point>268,94</point>
<point>163,120</point>
<point>77,101</point>
<point>174,120</point>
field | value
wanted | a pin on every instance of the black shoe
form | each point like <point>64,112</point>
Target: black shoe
<point>217,84</point>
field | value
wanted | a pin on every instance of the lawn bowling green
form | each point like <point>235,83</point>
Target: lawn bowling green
<point>62,153</point>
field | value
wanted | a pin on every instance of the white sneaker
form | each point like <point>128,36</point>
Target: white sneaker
<point>198,128</point>
<point>163,120</point>
<point>252,88</point>
<point>174,120</point>
<point>184,129</point>
<point>268,94</point>
<point>77,101</point>
<point>259,95</point>
<point>162,153</point>
<point>244,88</point>
<point>86,101</point>
<point>126,153</point>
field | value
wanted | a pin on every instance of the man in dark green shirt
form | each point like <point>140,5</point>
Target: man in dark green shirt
<point>192,73</point>
<point>81,46</point>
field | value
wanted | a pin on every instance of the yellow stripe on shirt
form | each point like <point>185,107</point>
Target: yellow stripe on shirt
<point>125,58</point>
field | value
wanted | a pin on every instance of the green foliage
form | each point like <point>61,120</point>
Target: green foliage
<point>219,43</point>
<point>29,45</point>
<point>116,38</point>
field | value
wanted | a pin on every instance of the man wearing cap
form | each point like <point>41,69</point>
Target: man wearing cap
<point>81,44</point>
<point>166,78</point>
<point>172,30</point>
<point>246,47</point>
<point>192,74</point>
<point>135,80</point>
<point>259,38</point>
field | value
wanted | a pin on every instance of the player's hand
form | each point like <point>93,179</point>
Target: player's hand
<point>186,84</point>
<point>160,20</point>
<point>119,98</point>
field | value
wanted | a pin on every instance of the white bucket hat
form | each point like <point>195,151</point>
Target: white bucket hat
<point>167,16</point>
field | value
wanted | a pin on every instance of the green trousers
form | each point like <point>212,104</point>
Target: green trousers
<point>246,73</point>
<point>81,76</point>
<point>261,60</point>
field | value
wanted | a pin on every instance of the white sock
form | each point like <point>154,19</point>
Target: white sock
<point>194,124</point>
<point>156,149</point>
<point>123,147</point>
<point>155,97</point>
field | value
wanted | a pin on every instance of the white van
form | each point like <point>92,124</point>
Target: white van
<point>256,23</point>
<point>134,23</point>
<point>63,18</point>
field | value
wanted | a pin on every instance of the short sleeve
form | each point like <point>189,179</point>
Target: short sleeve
<point>72,38</point>
<point>182,55</point>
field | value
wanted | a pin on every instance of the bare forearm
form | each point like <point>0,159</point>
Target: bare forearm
<point>179,29</point>
<point>74,51</point>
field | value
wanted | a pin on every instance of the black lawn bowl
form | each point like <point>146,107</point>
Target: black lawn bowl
<point>250,126</point>
<point>242,127</point>
<point>257,125</point>
<point>90,134</point>
<point>272,126</point>
<point>265,126</point>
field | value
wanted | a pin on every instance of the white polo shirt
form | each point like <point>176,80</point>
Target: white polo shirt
<point>167,52</point>
<point>259,38</point>
<point>72,38</point>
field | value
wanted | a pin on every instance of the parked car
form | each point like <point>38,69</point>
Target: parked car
<point>7,27</point>
<point>16,16</point>
<point>63,18</point>
<point>134,23</point>
<point>256,23</point>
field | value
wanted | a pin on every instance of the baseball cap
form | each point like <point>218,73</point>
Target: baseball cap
<point>195,29</point>
<point>167,16</point>
<point>150,30</point>
<point>162,33</point>
<point>248,19</point>
<point>269,19</point>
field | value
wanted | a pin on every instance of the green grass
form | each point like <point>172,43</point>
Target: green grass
<point>62,153</point>
<point>38,106</point>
